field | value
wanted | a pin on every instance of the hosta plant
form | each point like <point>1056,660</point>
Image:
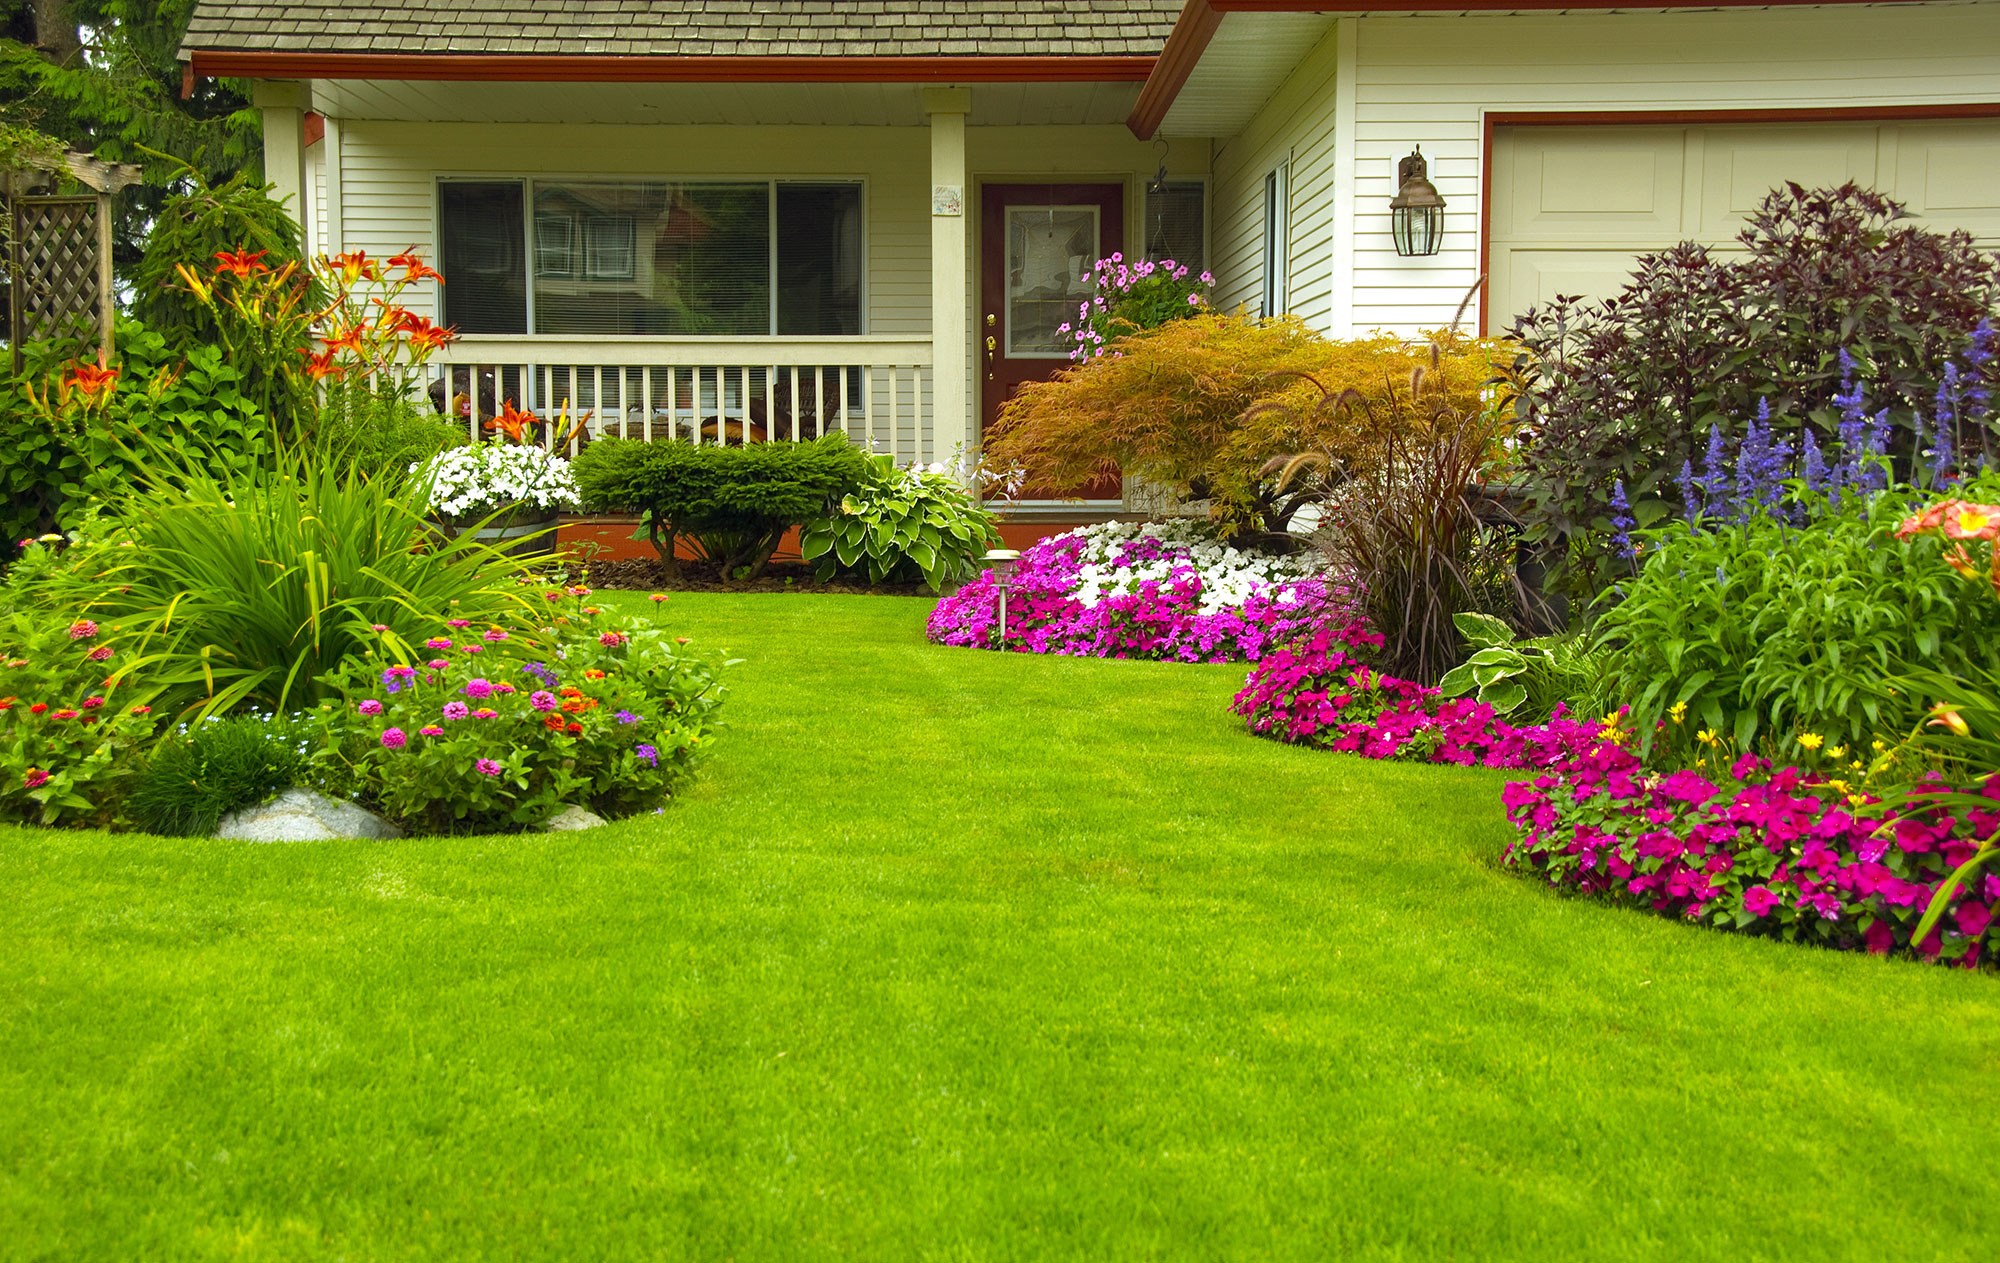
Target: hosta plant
<point>905,523</point>
<point>1512,675</point>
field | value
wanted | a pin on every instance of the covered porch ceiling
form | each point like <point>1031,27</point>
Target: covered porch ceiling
<point>751,104</point>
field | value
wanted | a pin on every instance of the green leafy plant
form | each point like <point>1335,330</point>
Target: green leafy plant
<point>245,590</point>
<point>70,448</point>
<point>1760,631</point>
<point>1513,675</point>
<point>1131,298</point>
<point>197,776</point>
<point>732,504</point>
<point>901,525</point>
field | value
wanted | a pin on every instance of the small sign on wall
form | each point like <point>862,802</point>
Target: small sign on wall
<point>947,199</point>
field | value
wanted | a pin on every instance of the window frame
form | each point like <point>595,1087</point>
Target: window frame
<point>1277,243</point>
<point>528,184</point>
<point>1207,217</point>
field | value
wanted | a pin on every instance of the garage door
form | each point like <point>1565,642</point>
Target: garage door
<point>1572,206</point>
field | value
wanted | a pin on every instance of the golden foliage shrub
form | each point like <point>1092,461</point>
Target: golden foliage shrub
<point>1204,405</point>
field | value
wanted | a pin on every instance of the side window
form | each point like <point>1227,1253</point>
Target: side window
<point>483,256</point>
<point>1275,244</point>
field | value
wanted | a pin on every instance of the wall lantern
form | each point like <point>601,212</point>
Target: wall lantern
<point>1002,562</point>
<point>1416,213</point>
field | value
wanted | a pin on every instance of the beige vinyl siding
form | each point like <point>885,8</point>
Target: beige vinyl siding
<point>389,174</point>
<point>1294,129</point>
<point>1433,79</point>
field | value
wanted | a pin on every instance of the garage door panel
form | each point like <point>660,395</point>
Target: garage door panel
<point>1949,174</point>
<point>1740,167</point>
<point>1575,184</point>
<point>1574,206</point>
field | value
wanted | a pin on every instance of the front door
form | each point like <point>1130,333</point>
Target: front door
<point>1038,244</point>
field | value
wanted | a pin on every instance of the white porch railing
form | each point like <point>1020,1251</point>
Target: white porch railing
<point>877,391</point>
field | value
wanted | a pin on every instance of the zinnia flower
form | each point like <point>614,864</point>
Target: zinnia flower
<point>494,633</point>
<point>82,629</point>
<point>542,700</point>
<point>612,639</point>
<point>370,706</point>
<point>456,710</point>
<point>394,738</point>
<point>99,654</point>
<point>432,731</point>
<point>487,767</point>
<point>36,778</point>
<point>437,642</point>
<point>92,703</point>
<point>477,688</point>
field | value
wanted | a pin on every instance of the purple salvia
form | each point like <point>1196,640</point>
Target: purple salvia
<point>1815,465</point>
<point>1875,476</point>
<point>1621,522</point>
<point>1715,472</point>
<point>1690,491</point>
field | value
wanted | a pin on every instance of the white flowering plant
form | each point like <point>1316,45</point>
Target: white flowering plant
<point>469,483</point>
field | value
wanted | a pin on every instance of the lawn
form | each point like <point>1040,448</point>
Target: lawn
<point>960,956</point>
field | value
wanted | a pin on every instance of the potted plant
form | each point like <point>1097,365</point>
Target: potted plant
<point>506,493</point>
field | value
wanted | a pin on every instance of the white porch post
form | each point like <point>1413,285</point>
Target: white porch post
<point>283,106</point>
<point>953,420</point>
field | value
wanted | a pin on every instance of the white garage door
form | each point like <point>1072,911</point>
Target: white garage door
<point>1572,206</point>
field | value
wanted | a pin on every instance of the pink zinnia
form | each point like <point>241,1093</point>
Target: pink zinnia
<point>370,707</point>
<point>495,634</point>
<point>82,629</point>
<point>432,731</point>
<point>611,639</point>
<point>36,778</point>
<point>92,703</point>
<point>456,710</point>
<point>478,688</point>
<point>394,738</point>
<point>437,664</point>
<point>458,622</point>
<point>542,700</point>
<point>99,654</point>
<point>488,767</point>
<point>437,642</point>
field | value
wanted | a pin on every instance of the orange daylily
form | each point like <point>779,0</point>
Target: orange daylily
<point>352,266</point>
<point>240,263</point>
<point>322,365</point>
<point>90,380</point>
<point>423,335</point>
<point>346,340</point>
<point>413,267</point>
<point>512,422</point>
<point>1954,519</point>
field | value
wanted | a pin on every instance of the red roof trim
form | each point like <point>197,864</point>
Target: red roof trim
<point>614,69</point>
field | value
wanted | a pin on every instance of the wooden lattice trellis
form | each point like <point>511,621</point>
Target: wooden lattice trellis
<point>59,255</point>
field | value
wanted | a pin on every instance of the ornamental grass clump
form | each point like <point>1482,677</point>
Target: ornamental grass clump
<point>1159,590</point>
<point>203,772</point>
<point>246,591</point>
<point>497,727</point>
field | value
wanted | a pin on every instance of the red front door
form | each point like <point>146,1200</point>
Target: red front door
<point>1037,246</point>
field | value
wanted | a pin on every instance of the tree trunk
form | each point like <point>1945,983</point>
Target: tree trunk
<point>56,36</point>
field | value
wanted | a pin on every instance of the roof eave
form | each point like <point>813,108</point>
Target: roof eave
<point>574,68</point>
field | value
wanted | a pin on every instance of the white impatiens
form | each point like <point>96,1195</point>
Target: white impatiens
<point>477,480</point>
<point>1118,557</point>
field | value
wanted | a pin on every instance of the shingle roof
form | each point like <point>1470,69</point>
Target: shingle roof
<point>769,28</point>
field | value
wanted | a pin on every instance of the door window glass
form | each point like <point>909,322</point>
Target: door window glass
<point>1050,253</point>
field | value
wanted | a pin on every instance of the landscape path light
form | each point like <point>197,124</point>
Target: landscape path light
<point>1002,562</point>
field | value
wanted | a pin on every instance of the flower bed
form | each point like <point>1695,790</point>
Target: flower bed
<point>1320,692</point>
<point>1778,853</point>
<point>1159,590</point>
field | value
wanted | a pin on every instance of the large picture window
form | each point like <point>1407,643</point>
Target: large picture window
<point>662,258</point>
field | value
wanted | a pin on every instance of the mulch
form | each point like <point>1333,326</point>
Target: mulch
<point>647,574</point>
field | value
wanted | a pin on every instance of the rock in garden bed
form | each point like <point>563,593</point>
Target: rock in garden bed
<point>302,815</point>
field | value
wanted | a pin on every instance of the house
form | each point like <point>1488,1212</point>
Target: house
<point>776,217</point>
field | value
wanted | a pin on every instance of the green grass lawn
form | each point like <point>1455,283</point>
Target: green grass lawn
<point>959,956</point>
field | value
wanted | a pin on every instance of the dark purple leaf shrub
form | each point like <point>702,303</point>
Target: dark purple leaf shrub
<point>1771,851</point>
<point>1631,389</point>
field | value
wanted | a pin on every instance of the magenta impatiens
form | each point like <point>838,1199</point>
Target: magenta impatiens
<point>1767,850</point>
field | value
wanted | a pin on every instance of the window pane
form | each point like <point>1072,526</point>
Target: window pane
<point>481,256</point>
<point>819,258</point>
<point>655,258</point>
<point>1050,253</point>
<point>1174,225</point>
